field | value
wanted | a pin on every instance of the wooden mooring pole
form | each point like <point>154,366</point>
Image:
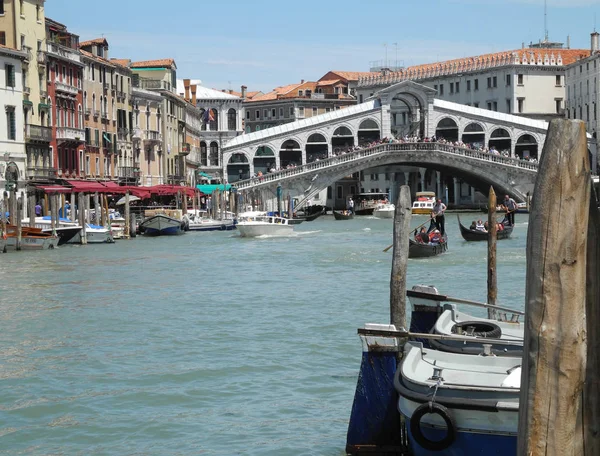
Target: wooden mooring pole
<point>554,352</point>
<point>19,220</point>
<point>492,276</point>
<point>591,391</point>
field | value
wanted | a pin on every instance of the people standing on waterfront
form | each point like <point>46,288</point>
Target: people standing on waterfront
<point>38,210</point>
<point>510,206</point>
<point>351,205</point>
<point>438,215</point>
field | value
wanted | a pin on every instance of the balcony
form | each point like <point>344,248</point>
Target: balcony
<point>185,149</point>
<point>68,134</point>
<point>152,84</point>
<point>120,94</point>
<point>41,58</point>
<point>40,173</point>
<point>43,95</point>
<point>66,88</point>
<point>65,53</point>
<point>176,179</point>
<point>26,90</point>
<point>130,173</point>
<point>27,51</point>
<point>106,86</point>
<point>38,133</point>
<point>152,135</point>
<point>104,115</point>
<point>88,111</point>
<point>122,134</point>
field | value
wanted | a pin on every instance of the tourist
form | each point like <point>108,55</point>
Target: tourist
<point>510,206</point>
<point>480,227</point>
<point>473,226</point>
<point>38,210</point>
<point>438,214</point>
<point>435,237</point>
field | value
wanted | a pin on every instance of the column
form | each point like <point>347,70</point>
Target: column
<point>438,184</point>
<point>407,179</point>
<point>472,195</point>
<point>456,191</point>
<point>329,150</point>
<point>422,178</point>
<point>513,144</point>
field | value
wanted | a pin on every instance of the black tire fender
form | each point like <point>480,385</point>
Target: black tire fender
<point>482,329</point>
<point>417,433</point>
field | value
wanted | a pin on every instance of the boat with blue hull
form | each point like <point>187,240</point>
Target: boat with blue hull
<point>161,225</point>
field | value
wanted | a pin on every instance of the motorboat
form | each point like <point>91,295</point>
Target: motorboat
<point>96,234</point>
<point>200,222</point>
<point>66,230</point>
<point>31,238</point>
<point>423,203</point>
<point>366,203</point>
<point>161,222</point>
<point>385,210</point>
<point>254,224</point>
<point>458,404</point>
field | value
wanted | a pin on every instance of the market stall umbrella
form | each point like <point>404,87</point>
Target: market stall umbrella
<point>131,198</point>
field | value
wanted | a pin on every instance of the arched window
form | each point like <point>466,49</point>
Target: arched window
<point>50,112</point>
<point>94,103</point>
<point>72,115</point>
<point>85,103</point>
<point>114,110</point>
<point>213,120</point>
<point>232,120</point>
<point>80,117</point>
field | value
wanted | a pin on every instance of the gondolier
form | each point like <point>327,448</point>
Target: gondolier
<point>438,215</point>
<point>351,205</point>
<point>510,206</point>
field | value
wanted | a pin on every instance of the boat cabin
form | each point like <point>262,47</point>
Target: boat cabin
<point>423,203</point>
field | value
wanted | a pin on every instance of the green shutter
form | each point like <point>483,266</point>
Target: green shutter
<point>12,127</point>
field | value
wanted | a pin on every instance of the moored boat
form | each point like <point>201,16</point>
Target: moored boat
<point>31,238</point>
<point>343,215</point>
<point>66,230</point>
<point>478,235</point>
<point>316,215</point>
<point>254,224</point>
<point>161,222</point>
<point>197,222</point>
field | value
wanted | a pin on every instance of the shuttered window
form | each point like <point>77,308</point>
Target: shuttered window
<point>10,75</point>
<point>10,123</point>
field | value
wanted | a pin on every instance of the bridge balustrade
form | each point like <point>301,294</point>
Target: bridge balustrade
<point>383,148</point>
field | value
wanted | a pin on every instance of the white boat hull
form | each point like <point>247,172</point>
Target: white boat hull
<point>384,213</point>
<point>211,225</point>
<point>159,225</point>
<point>263,229</point>
<point>33,243</point>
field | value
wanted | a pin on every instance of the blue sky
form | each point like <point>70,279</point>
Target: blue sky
<point>267,43</point>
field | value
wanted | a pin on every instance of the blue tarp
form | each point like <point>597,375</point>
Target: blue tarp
<point>207,189</point>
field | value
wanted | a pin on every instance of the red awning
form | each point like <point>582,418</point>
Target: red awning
<point>87,186</point>
<point>53,189</point>
<point>172,190</point>
<point>140,192</point>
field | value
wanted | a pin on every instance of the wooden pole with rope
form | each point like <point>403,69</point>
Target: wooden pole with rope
<point>492,275</point>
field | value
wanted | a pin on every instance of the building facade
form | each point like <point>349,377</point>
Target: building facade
<point>528,82</point>
<point>65,102</point>
<point>147,137</point>
<point>12,136</point>
<point>127,169</point>
<point>100,120</point>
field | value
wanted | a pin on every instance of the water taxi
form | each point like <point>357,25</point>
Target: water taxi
<point>423,204</point>
<point>254,224</point>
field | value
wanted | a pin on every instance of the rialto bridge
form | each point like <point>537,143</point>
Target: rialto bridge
<point>307,156</point>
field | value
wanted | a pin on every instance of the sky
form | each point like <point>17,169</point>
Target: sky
<point>267,43</point>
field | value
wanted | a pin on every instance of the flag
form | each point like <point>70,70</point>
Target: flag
<point>211,116</point>
<point>206,116</point>
<point>106,137</point>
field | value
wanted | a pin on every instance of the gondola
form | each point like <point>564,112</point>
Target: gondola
<point>341,216</point>
<point>316,215</point>
<point>476,235</point>
<point>420,250</point>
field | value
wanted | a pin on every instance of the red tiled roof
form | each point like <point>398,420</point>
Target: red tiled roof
<point>121,62</point>
<point>96,58</point>
<point>328,82</point>
<point>161,63</point>
<point>94,41</point>
<point>350,75</point>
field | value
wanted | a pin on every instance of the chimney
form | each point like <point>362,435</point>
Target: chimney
<point>193,89</point>
<point>186,84</point>
<point>568,41</point>
<point>595,42</point>
<point>230,91</point>
<point>301,81</point>
<point>244,92</point>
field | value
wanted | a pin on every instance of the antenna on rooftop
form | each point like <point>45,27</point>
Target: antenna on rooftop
<point>545,20</point>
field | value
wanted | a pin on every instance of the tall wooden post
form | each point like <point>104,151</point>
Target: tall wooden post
<point>46,205</point>
<point>591,392</point>
<point>63,205</point>
<point>31,210</point>
<point>13,208</point>
<point>97,217</point>
<point>127,217</point>
<point>554,353</point>
<point>73,205</point>
<point>81,202</point>
<point>19,216</point>
<point>87,208</point>
<point>52,212</point>
<point>492,277</point>
<point>400,258</point>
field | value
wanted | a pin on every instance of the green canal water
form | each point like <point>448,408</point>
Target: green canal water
<point>208,343</point>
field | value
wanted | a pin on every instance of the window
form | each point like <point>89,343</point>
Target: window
<point>291,111</point>
<point>508,105</point>
<point>97,137</point>
<point>458,87</point>
<point>508,79</point>
<point>340,192</point>
<point>495,105</point>
<point>93,72</point>
<point>265,113</point>
<point>558,79</point>
<point>558,102</point>
<point>22,8</point>
<point>301,111</point>
<point>2,7</point>
<point>435,87</point>
<point>587,66</point>
<point>37,13</point>
<point>587,112</point>
<point>273,113</point>
<point>489,83</point>
<point>300,93</point>
<point>495,81</point>
<point>97,166</point>
<point>360,98</point>
<point>476,82</point>
<point>476,104</point>
<point>280,112</point>
<point>451,88</point>
<point>520,105</point>
<point>247,114</point>
<point>81,161</point>
<point>9,70</point>
<point>520,79</point>
<point>315,111</point>
<point>489,105</point>
<point>10,123</point>
<point>257,114</point>
<point>87,164</point>
<point>468,85</point>
<point>441,89</point>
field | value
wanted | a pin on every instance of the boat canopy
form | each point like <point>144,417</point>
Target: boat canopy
<point>207,189</point>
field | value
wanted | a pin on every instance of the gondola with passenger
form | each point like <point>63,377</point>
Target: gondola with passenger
<point>427,244</point>
<point>343,215</point>
<point>473,235</point>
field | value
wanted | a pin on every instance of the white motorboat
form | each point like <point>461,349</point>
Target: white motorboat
<point>97,234</point>
<point>456,403</point>
<point>159,222</point>
<point>423,204</point>
<point>384,210</point>
<point>254,224</point>
<point>66,230</point>
<point>199,222</point>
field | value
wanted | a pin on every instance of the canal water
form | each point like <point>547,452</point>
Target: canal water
<point>208,343</point>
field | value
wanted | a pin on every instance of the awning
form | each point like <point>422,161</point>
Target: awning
<point>207,189</point>
<point>87,186</point>
<point>171,190</point>
<point>203,174</point>
<point>53,189</point>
